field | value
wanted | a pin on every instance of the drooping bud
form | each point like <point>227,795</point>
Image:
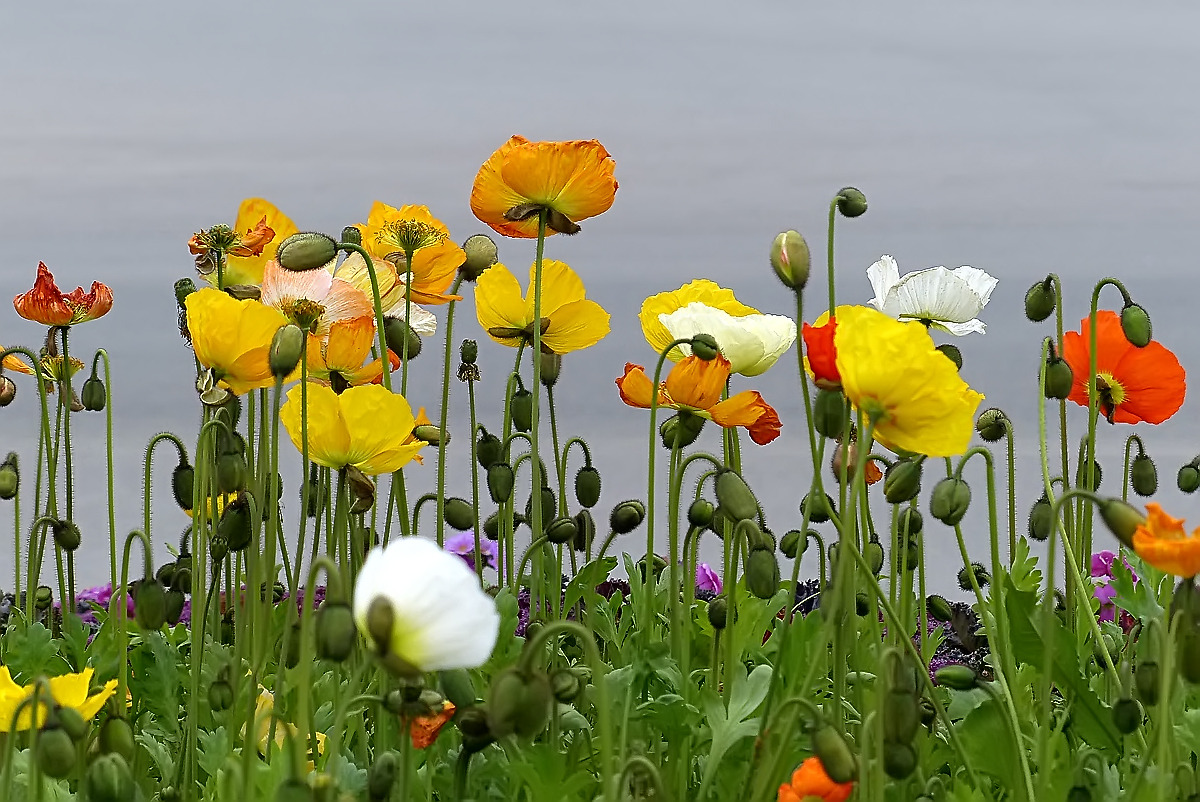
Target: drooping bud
<point>175,601</point>
<point>735,496</point>
<point>481,254</point>
<point>236,525</point>
<point>66,535</point>
<point>705,347</point>
<point>899,759</point>
<point>565,684</point>
<point>10,477</point>
<point>521,410</point>
<point>150,604</point>
<point>561,530</point>
<point>839,762</point>
<point>335,631</point>
<point>762,573</point>
<point>862,604</point>
<point>718,612</point>
<point>992,424</point>
<point>910,522</point>
<point>977,571</point>
<point>851,202</point>
<point>488,449</point>
<point>585,530</point>
<point>284,353</point>
<point>700,513</point>
<point>183,288</point>
<point>220,695</point>
<point>1059,378</point>
<point>1127,716</point>
<point>54,752</point>
<point>1081,476</point>
<point>551,368</point>
<point>307,250</point>
<point>459,514</point>
<point>1041,519</point>
<point>627,516</point>
<point>43,597</point>
<point>949,500</point>
<point>790,259</point>
<point>937,607</point>
<point>829,413</point>
<point>587,486</point>
<point>549,503</point>
<point>397,333</point>
<point>362,490</point>
<point>8,391</point>
<point>108,779</point>
<point>1135,323</point>
<point>380,620</point>
<point>116,738</point>
<point>518,703</point>
<point>93,394</point>
<point>819,510</point>
<point>721,521</point>
<point>1143,475</point>
<point>873,552</point>
<point>902,481</point>
<point>956,676</point>
<point>500,481</point>
<point>381,776</point>
<point>1041,300</point>
<point>952,353</point>
<point>681,429</point>
<point>231,472</point>
<point>1147,681</point>
<point>1189,478</point>
<point>1121,518</point>
<point>792,543</point>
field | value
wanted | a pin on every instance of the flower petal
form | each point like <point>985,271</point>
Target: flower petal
<point>883,275</point>
<point>635,387</point>
<point>748,409</point>
<point>697,383</point>
<point>499,302</point>
<point>328,437</point>
<point>576,326</point>
<point>560,286</point>
<point>701,291</point>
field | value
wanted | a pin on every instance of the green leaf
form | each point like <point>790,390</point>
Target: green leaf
<point>155,679</point>
<point>583,586</point>
<point>1024,571</point>
<point>987,738</point>
<point>215,746</point>
<point>163,759</point>
<point>30,652</point>
<point>1136,598</point>
<point>728,727</point>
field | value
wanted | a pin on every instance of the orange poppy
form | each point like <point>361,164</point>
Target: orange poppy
<point>811,782</point>
<point>390,231</point>
<point>1162,542</point>
<point>820,354</point>
<point>572,181</point>
<point>246,247</point>
<point>695,386</point>
<point>16,362</point>
<point>1135,384</point>
<point>424,729</point>
<point>343,352</point>
<point>46,304</point>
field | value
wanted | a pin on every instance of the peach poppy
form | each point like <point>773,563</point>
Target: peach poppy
<point>695,386</point>
<point>312,299</point>
<point>572,181</point>
<point>1162,542</point>
<point>820,356</point>
<point>46,303</point>
<point>1135,384</point>
<point>339,357</point>
<point>390,232</point>
<point>810,782</point>
<point>424,729</point>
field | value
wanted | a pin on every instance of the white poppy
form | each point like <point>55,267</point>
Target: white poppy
<point>751,343</point>
<point>441,618</point>
<point>949,300</point>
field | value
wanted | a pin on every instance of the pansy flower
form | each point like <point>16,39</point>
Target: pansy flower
<point>1134,384</point>
<point>1162,542</point>
<point>695,386</point>
<point>244,249</point>
<point>569,321</point>
<point>949,300</point>
<point>390,232</point>
<point>45,303</point>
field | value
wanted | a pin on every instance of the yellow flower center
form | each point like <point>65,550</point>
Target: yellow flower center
<point>303,312</point>
<point>409,236</point>
<point>53,368</point>
<point>1112,393</point>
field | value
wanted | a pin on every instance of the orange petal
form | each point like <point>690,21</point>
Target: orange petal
<point>254,240</point>
<point>574,178</point>
<point>91,305</point>
<point>491,197</point>
<point>821,353</point>
<point>696,383</point>
<point>44,303</point>
<point>1155,384</point>
<point>1111,348</point>
<point>748,409</point>
<point>635,387</point>
<point>1162,542</point>
<point>424,729</point>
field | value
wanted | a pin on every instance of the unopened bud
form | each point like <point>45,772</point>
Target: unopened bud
<point>150,604</point>
<point>500,482</point>
<point>681,429</point>
<point>902,481</point>
<point>362,490</point>
<point>829,413</point>
<point>899,759</point>
<point>220,696</point>
<point>284,353</point>
<point>561,530</point>
<point>231,472</point>
<point>399,335</point>
<point>974,571</point>
<point>992,424</point>
<point>1143,476</point>
<point>1041,519</point>
<point>949,500</point>
<point>1059,378</point>
<point>851,203</point>
<point>792,543</point>
<point>1040,301</point>
<point>521,410</point>
<point>1085,482</point>
<point>488,448</point>
<point>839,762</point>
<point>585,530</point>
<point>956,676</point>
<point>952,353</point>
<point>818,509</point>
<point>307,250</point>
<point>66,535</point>
<point>175,601</point>
<point>700,513</point>
<point>336,632</point>
<point>718,612</point>
<point>790,259</point>
<point>1121,518</point>
<point>236,525</point>
<point>10,477</point>
<point>587,486</point>
<point>381,776</point>
<point>627,516</point>
<point>108,779</point>
<point>873,552</point>
<point>8,391</point>
<point>54,752</point>
<point>705,347</point>
<point>1189,478</point>
<point>549,503</point>
<point>735,496</point>
<point>93,395</point>
<point>380,621</point>
<point>116,738</point>
<point>762,573</point>
<point>1146,678</point>
<point>459,514</point>
<point>937,607</point>
<point>551,368</point>
<point>183,288</point>
<point>1127,716</point>
<point>352,235</point>
<point>481,254</point>
<point>1135,323</point>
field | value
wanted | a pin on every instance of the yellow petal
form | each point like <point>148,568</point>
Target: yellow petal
<point>702,291</point>
<point>499,302</point>
<point>576,326</point>
<point>328,438</point>
<point>378,421</point>
<point>249,269</point>
<point>349,343</point>
<point>491,197</point>
<point>560,286</point>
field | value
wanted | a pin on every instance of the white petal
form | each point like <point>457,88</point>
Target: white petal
<point>933,294</point>
<point>979,281</point>
<point>422,321</point>
<point>883,275</point>
<point>281,285</point>
<point>751,343</point>
<point>975,326</point>
<point>776,333</point>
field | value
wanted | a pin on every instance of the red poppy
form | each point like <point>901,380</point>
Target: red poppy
<point>1134,384</point>
<point>811,782</point>
<point>46,304</point>
<point>820,354</point>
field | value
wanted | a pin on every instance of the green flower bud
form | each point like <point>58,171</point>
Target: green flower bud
<point>549,504</point>
<point>1127,716</point>
<point>1081,476</point>
<point>307,250</point>
<point>175,600</point>
<point>1189,478</point>
<point>627,516</point>
<point>521,409</point>
<point>587,486</point>
<point>1143,476</point>
<point>8,391</point>
<point>1135,323</point>
<point>236,525</point>
<point>840,763</point>
<point>705,347</point>
<point>73,723</point>
<point>150,604</point>
<point>718,612</point>
<point>1122,519</point>
<point>473,724</point>
<point>397,333</point>
<point>362,490</point>
<point>500,481</point>
<point>116,738</point>
<point>1147,680</point>
<point>10,477</point>
<point>585,530</point>
<point>565,685</point>
<point>873,552</point>
<point>829,413</point>
<point>952,353</point>
<point>284,353</point>
<point>735,496</point>
<point>458,512</point>
<point>762,573</point>
<point>66,535</point>
<point>352,235</point>
<point>1040,301</point>
<point>982,577</point>
<point>481,254</point>
<point>957,677</point>
<point>721,521</point>
<point>183,480</point>
<point>182,580</point>
<point>937,607</point>
<point>700,513</point>
<point>1041,519</point>
<point>680,430</point>
<point>491,526</point>
<point>792,543</point>
<point>92,395</point>
<point>220,696</point>
<point>183,288</point>
<point>1059,378</point>
<point>458,687</point>
<point>551,368</point>
<point>488,448</point>
<point>381,618</point>
<point>902,481</point>
<point>818,510</point>
<point>231,472</point>
<point>790,259</point>
<point>43,597</point>
<point>54,752</point>
<point>336,632</point>
<point>381,776</point>
<point>1187,650</point>
<point>910,556</point>
<point>862,604</point>
<point>469,352</point>
<point>949,500</point>
<point>561,530</point>
<point>519,704</point>
<point>851,203</point>
<point>992,424</point>
<point>899,760</point>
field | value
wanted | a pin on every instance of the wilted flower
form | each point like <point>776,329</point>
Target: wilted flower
<point>950,300</point>
<point>244,249</point>
<point>751,343</point>
<point>569,321</point>
<point>46,303</point>
<point>68,690</point>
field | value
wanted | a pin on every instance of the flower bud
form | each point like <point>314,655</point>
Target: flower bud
<point>150,604</point>
<point>949,500</point>
<point>873,552</point>
<point>458,687</point>
<point>585,530</point>
<point>488,449</point>
<point>351,235</point>
<point>551,368</point>
<point>1146,679</point>
<point>481,254</point>
<point>992,424</point>
<point>397,333</point>
<point>458,512</point>
<point>1081,476</point>
<point>519,704</point>
<point>220,696</point>
<point>705,347</point>
<point>566,685</point>
<point>1040,301</point>
<point>1127,716</point>
<point>549,503</point>
<point>937,607</point>
<point>236,526</point>
<point>66,535</point>
<point>72,723</point>
<point>500,481</point>
<point>627,516</point>
<point>231,472</point>
<point>851,203</point>
<point>116,738</point>
<point>829,413</point>
<point>956,676</point>
<point>721,521</point>
<point>762,573</point>
<point>1122,519</point>
<point>1187,650</point>
<point>587,486</point>
<point>381,776</point>
<point>1189,478</point>
<point>1059,378</point>
<point>952,353</point>
<point>108,780</point>
<point>183,288</point>
<point>183,480</point>
<point>902,481</point>
<point>54,752</point>
<point>1041,519</point>
<point>862,604</point>
<point>1135,323</point>
<point>1143,476</point>
<point>336,633</point>
<point>976,570</point>
<point>680,430</point>
<point>561,530</point>
<point>8,391</point>
<point>899,760</point>
<point>790,259</point>
<point>10,477</point>
<point>380,620</point>
<point>792,543</point>
<point>43,597</point>
<point>521,410</point>
<point>284,353</point>
<point>910,522</point>
<point>175,601</point>
<point>93,395</point>
<point>307,250</point>
<point>840,763</point>
<point>469,352</point>
<point>735,496</point>
<point>818,510</point>
<point>718,612</point>
<point>362,490</point>
<point>700,513</point>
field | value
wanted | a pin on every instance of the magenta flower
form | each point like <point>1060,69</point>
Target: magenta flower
<point>707,579</point>
<point>1102,563</point>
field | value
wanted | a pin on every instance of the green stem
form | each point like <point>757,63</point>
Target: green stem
<point>442,441</point>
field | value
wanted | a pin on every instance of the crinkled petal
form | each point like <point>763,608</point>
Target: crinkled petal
<point>748,409</point>
<point>328,437</point>
<point>281,286</point>
<point>560,286</point>
<point>635,387</point>
<point>697,383</point>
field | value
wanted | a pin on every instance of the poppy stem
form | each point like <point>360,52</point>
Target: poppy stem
<point>443,420</point>
<point>535,513</point>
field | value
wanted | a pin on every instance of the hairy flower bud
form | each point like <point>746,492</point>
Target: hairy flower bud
<point>839,762</point>
<point>627,516</point>
<point>1121,518</point>
<point>899,760</point>
<point>718,612</point>
<point>587,486</point>
<point>762,573</point>
<point>953,354</point>
<point>902,481</point>
<point>66,535</point>
<point>488,448</point>
<point>307,250</point>
<point>1135,323</point>
<point>1081,476</point>
<point>10,477</point>
<point>949,500</point>
<point>819,510</point>
<point>974,571</point>
<point>851,202</point>
<point>150,604</point>
<point>1189,478</point>
<point>705,347</point>
<point>116,738</point>
<point>336,634</point>
<point>183,288</point>
<point>1059,378</point>
<point>397,334</point>
<point>829,413</point>
<point>352,235</point>
<point>469,352</point>
<point>1127,716</point>
<point>231,472</point>
<point>735,496</point>
<point>236,525</point>
<point>956,676</point>
<point>1040,300</point>
<point>381,776</point>
<point>1146,679</point>
<point>1143,475</point>
<point>790,259</point>
<point>585,530</point>
<point>500,481</point>
<point>792,543</point>
<point>910,522</point>
<point>992,424</point>
<point>937,607</point>
<point>8,391</point>
<point>873,552</point>
<point>220,696</point>
<point>561,530</point>
<point>1041,519</point>
<point>54,752</point>
<point>93,394</point>
<point>551,368</point>
<point>481,254</point>
<point>700,513</point>
<point>681,429</point>
<point>459,514</point>
<point>284,353</point>
<point>521,410</point>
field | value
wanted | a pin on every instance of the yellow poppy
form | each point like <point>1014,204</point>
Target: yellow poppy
<point>365,427</point>
<point>233,337</point>
<point>391,291</point>
<point>389,232</point>
<point>256,235</point>
<point>344,351</point>
<point>68,690</point>
<point>700,291</point>
<point>16,362</point>
<point>1162,542</point>
<point>569,322</point>
<point>572,181</point>
<point>264,708</point>
<point>891,371</point>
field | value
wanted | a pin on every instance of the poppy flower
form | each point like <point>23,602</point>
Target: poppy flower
<point>391,291</point>
<point>751,343</point>
<point>423,730</point>
<point>244,249</point>
<point>571,181</point>
<point>1162,542</point>
<point>390,232</point>
<point>441,619</point>
<point>820,355</point>
<point>364,427</point>
<point>892,372</point>
<point>695,386</point>
<point>701,291</point>
<point>569,322</point>
<point>16,362</point>
<point>949,300</point>
<point>312,299</point>
<point>810,782</point>
<point>46,304</point>
<point>342,353</point>
<point>1135,384</point>
<point>69,690</point>
<point>264,706</point>
<point>233,338</point>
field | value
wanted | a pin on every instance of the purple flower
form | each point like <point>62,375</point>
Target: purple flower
<point>463,544</point>
<point>1102,563</point>
<point>707,579</point>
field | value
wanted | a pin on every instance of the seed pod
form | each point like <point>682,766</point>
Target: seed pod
<point>480,253</point>
<point>839,762</point>
<point>949,500</point>
<point>627,516</point>
<point>818,512</point>
<point>902,482</point>
<point>585,530</point>
<point>992,425</point>
<point>956,676</point>
<point>488,449</point>
<point>1041,519</point>
<point>336,633</point>
<point>1081,476</point>
<point>873,552</point>
<point>220,696</point>
<point>700,513</point>
<point>762,573</point>
<point>458,512</point>
<point>1127,716</point>
<point>735,496</point>
<point>307,250</point>
<point>561,530</point>
<point>680,430</point>
<point>183,480</point>
<point>1135,323</point>
<point>829,413</point>
<point>521,410</point>
<point>93,395</point>
<point>938,608</point>
<point>1143,476</point>
<point>54,752</point>
<point>851,203</point>
<point>1041,300</point>
<point>1189,478</point>
<point>10,477</point>
<point>587,486</point>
